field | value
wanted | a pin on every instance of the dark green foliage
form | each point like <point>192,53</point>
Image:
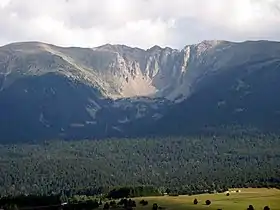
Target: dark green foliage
<point>144,203</point>
<point>92,204</point>
<point>122,202</point>
<point>208,202</point>
<point>203,164</point>
<point>11,207</point>
<point>31,200</point>
<point>86,205</point>
<point>119,193</point>
<point>195,202</point>
<point>63,198</point>
<point>106,206</point>
<point>113,204</point>
<point>127,203</point>
<point>167,190</point>
<point>129,192</point>
<point>133,204</point>
<point>250,207</point>
<point>130,204</point>
<point>155,206</point>
<point>46,202</point>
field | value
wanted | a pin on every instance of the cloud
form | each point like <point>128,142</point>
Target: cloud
<point>140,23</point>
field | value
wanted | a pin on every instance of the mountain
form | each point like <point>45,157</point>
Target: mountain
<point>239,94</point>
<point>49,92</point>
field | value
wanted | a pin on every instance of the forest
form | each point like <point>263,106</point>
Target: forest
<point>184,165</point>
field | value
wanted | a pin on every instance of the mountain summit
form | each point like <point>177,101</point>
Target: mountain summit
<point>48,91</point>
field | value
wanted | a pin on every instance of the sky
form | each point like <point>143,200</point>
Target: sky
<point>138,23</point>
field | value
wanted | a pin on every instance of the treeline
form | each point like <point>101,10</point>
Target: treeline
<point>30,201</point>
<point>51,202</point>
<point>70,201</point>
<point>123,196</point>
<point>131,192</point>
<point>183,165</point>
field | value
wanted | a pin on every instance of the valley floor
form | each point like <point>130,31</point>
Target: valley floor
<point>259,198</point>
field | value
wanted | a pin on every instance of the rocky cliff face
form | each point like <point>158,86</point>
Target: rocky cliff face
<point>114,90</point>
<point>117,71</point>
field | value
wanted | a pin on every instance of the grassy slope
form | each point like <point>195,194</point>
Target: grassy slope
<point>256,197</point>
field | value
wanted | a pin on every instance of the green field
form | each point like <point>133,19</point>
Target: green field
<point>236,201</point>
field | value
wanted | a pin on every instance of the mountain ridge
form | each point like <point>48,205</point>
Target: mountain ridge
<point>49,92</point>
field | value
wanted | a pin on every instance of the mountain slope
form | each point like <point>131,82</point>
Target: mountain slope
<point>242,95</point>
<point>49,92</point>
